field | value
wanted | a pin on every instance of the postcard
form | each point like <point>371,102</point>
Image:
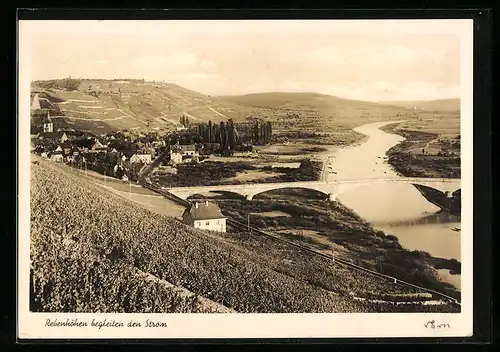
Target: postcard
<point>245,179</point>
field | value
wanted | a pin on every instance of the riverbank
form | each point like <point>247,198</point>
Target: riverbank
<point>424,154</point>
<point>427,154</point>
<point>398,210</point>
<point>451,204</point>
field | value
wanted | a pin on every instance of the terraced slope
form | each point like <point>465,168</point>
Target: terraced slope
<point>129,105</point>
<point>135,104</point>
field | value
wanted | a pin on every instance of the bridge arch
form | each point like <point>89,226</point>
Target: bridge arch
<point>330,188</point>
<point>217,194</point>
<point>442,186</point>
<point>318,190</point>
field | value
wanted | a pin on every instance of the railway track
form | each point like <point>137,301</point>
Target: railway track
<point>352,266</point>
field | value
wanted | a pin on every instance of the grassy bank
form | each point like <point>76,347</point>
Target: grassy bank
<point>216,173</point>
<point>451,204</point>
<point>338,135</point>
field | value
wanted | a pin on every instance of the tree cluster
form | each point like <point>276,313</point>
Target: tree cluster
<point>224,134</point>
<point>69,84</point>
<point>184,121</point>
<point>262,132</point>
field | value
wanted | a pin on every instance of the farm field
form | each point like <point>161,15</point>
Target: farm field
<point>431,147</point>
<point>83,234</point>
<point>210,173</point>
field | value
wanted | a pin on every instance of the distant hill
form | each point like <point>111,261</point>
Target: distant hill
<point>444,105</point>
<point>315,111</point>
<point>104,105</point>
<point>291,100</point>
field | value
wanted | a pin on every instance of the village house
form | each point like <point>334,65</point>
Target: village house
<point>189,159</point>
<point>159,144</point>
<point>97,147</point>
<point>183,153</point>
<point>83,150</point>
<point>141,158</point>
<point>71,156</point>
<point>58,137</point>
<point>66,147</point>
<point>205,216</point>
<point>72,134</point>
<point>118,168</point>
<point>175,157</point>
<point>57,155</point>
<point>38,150</point>
<point>33,139</point>
<point>83,140</point>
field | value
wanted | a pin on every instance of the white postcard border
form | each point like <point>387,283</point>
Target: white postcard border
<point>32,325</point>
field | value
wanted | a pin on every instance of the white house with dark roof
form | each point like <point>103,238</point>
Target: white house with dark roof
<point>98,146</point>
<point>205,216</point>
<point>57,156</point>
<point>141,158</point>
<point>183,154</point>
<point>175,157</point>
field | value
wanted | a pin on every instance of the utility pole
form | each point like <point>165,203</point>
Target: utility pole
<point>129,190</point>
<point>333,256</point>
<point>248,223</point>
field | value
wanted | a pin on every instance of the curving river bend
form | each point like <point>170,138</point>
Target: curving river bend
<point>397,209</point>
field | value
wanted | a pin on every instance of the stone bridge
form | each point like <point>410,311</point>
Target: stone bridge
<point>330,188</point>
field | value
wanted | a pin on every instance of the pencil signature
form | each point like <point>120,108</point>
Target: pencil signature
<point>432,325</point>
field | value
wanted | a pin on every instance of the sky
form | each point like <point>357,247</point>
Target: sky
<point>365,60</point>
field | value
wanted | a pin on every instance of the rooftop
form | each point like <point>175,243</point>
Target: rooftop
<point>183,147</point>
<point>204,211</point>
<point>47,119</point>
<point>52,134</point>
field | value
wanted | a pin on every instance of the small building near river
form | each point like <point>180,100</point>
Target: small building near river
<point>205,216</point>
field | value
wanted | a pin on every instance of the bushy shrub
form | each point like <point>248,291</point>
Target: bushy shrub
<point>392,238</point>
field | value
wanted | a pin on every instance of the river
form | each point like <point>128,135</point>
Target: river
<point>396,209</point>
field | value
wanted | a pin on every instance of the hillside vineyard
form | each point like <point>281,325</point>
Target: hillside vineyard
<point>92,251</point>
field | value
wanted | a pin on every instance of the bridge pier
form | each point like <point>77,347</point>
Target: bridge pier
<point>332,197</point>
<point>249,196</point>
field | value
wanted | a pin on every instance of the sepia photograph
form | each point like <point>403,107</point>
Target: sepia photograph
<point>265,173</point>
